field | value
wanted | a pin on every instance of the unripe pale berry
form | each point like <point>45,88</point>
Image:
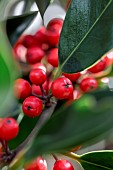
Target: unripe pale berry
<point>32,106</point>
<point>63,165</point>
<point>52,57</point>
<point>37,164</point>
<point>88,84</point>
<point>34,55</point>
<point>22,88</point>
<point>62,88</point>
<point>8,129</point>
<point>37,76</point>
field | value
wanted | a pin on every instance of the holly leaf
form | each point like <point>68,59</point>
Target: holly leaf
<point>42,5</point>
<point>100,160</point>
<point>75,125</point>
<point>86,34</point>
<point>16,25</point>
<point>7,74</point>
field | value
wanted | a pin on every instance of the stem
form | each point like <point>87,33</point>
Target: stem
<point>72,155</point>
<point>46,114</point>
<point>42,90</point>
<point>55,157</point>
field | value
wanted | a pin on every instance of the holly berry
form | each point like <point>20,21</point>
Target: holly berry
<point>37,164</point>
<point>63,165</point>
<point>37,90</point>
<point>54,21</point>
<point>37,76</point>
<point>53,34</point>
<point>62,88</point>
<point>52,57</point>
<point>38,65</point>
<point>8,129</point>
<point>34,55</point>
<point>40,35</point>
<point>22,88</point>
<point>29,41</point>
<point>72,77</point>
<point>32,106</point>
<point>88,84</point>
<point>100,66</point>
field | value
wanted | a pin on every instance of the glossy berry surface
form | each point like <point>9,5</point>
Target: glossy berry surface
<point>54,21</point>
<point>88,84</point>
<point>37,76</point>
<point>62,88</point>
<point>8,129</point>
<point>63,165</point>
<point>22,88</point>
<point>52,57</point>
<point>100,66</point>
<point>29,41</point>
<point>53,35</point>
<point>34,55</point>
<point>37,90</point>
<point>40,35</point>
<point>72,77</point>
<point>37,164</point>
<point>32,106</point>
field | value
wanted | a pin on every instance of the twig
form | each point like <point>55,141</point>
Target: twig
<point>46,114</point>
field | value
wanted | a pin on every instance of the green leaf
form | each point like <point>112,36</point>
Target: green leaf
<point>101,160</point>
<point>74,125</point>
<point>24,131</point>
<point>7,74</point>
<point>16,25</point>
<point>42,5</point>
<point>86,35</point>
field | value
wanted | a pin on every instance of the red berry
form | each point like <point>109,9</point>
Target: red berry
<point>37,76</point>
<point>53,34</point>
<point>40,35</point>
<point>34,55</point>
<point>29,41</point>
<point>37,164</point>
<point>72,77</point>
<point>32,106</point>
<point>62,88</point>
<point>37,90</point>
<point>55,21</point>
<point>38,65</point>
<point>8,129</point>
<point>63,165</point>
<point>100,66</point>
<point>22,88</point>
<point>52,57</point>
<point>88,84</point>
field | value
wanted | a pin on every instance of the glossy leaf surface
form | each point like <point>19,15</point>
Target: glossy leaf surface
<point>75,125</point>
<point>102,160</point>
<point>16,25</point>
<point>86,35</point>
<point>42,5</point>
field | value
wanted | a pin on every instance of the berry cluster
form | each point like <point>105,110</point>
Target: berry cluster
<point>38,89</point>
<point>41,54</point>
<point>40,164</point>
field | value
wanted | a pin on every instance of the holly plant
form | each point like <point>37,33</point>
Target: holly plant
<point>56,85</point>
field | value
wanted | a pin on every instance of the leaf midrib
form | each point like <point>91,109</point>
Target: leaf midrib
<point>86,34</point>
<point>91,163</point>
